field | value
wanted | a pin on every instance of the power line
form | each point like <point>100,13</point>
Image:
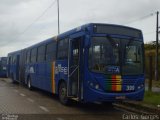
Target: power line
<point>30,25</point>
<point>58,16</point>
<point>141,18</point>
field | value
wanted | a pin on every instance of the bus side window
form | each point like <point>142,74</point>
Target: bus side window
<point>51,51</point>
<point>28,57</point>
<point>14,59</point>
<point>75,56</point>
<point>41,53</point>
<point>63,49</point>
<point>33,55</point>
<point>9,60</point>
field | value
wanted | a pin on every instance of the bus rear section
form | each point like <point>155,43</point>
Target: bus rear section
<point>13,66</point>
<point>115,64</point>
<point>3,66</point>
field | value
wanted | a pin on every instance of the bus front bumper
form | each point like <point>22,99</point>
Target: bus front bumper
<point>93,95</point>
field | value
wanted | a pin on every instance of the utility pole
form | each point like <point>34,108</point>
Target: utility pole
<point>150,74</point>
<point>58,16</point>
<point>157,38</point>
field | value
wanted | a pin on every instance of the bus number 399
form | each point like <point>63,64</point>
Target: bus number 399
<point>130,88</point>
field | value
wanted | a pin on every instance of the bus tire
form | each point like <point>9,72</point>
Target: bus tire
<point>29,84</point>
<point>62,92</point>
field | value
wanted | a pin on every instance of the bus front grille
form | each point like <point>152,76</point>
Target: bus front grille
<point>117,84</point>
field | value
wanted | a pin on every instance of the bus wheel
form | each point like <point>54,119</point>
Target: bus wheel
<point>29,84</point>
<point>63,93</point>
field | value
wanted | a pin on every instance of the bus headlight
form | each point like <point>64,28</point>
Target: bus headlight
<point>96,86</point>
<point>140,86</point>
<point>91,84</point>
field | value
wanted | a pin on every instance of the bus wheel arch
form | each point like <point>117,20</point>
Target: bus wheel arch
<point>62,92</point>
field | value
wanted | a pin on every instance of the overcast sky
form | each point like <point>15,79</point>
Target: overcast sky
<point>17,15</point>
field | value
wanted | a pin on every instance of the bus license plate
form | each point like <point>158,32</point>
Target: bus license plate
<point>120,97</point>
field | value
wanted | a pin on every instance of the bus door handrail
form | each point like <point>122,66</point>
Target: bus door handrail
<point>74,70</point>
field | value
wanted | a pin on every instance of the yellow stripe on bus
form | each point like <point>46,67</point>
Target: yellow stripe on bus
<point>119,79</point>
<point>53,80</point>
<point>118,87</point>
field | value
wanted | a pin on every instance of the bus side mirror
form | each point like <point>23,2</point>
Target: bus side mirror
<point>87,41</point>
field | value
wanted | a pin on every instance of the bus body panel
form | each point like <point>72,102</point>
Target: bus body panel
<point>61,72</point>
<point>40,72</point>
<point>40,75</point>
<point>47,75</point>
<point>92,94</point>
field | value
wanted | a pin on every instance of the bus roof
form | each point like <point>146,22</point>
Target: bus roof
<point>14,53</point>
<point>72,31</point>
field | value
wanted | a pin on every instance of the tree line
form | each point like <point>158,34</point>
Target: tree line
<point>150,50</point>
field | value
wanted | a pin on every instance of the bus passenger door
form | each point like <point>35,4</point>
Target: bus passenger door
<point>74,65</point>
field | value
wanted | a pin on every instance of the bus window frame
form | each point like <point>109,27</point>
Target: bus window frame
<point>46,52</point>
<point>120,53</point>
<point>28,56</point>
<point>40,54</point>
<point>34,60</point>
<point>59,51</point>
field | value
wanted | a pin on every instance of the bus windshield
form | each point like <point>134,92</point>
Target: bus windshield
<point>132,52</point>
<point>115,56</point>
<point>104,54</point>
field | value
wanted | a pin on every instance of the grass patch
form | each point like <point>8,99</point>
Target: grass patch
<point>152,98</point>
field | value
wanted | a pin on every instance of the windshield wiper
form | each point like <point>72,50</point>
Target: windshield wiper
<point>111,40</point>
<point>130,41</point>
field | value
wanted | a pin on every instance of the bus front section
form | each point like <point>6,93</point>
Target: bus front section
<point>115,69</point>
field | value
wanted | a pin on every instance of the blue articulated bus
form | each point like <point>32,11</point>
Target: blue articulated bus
<point>91,63</point>
<point>3,66</point>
